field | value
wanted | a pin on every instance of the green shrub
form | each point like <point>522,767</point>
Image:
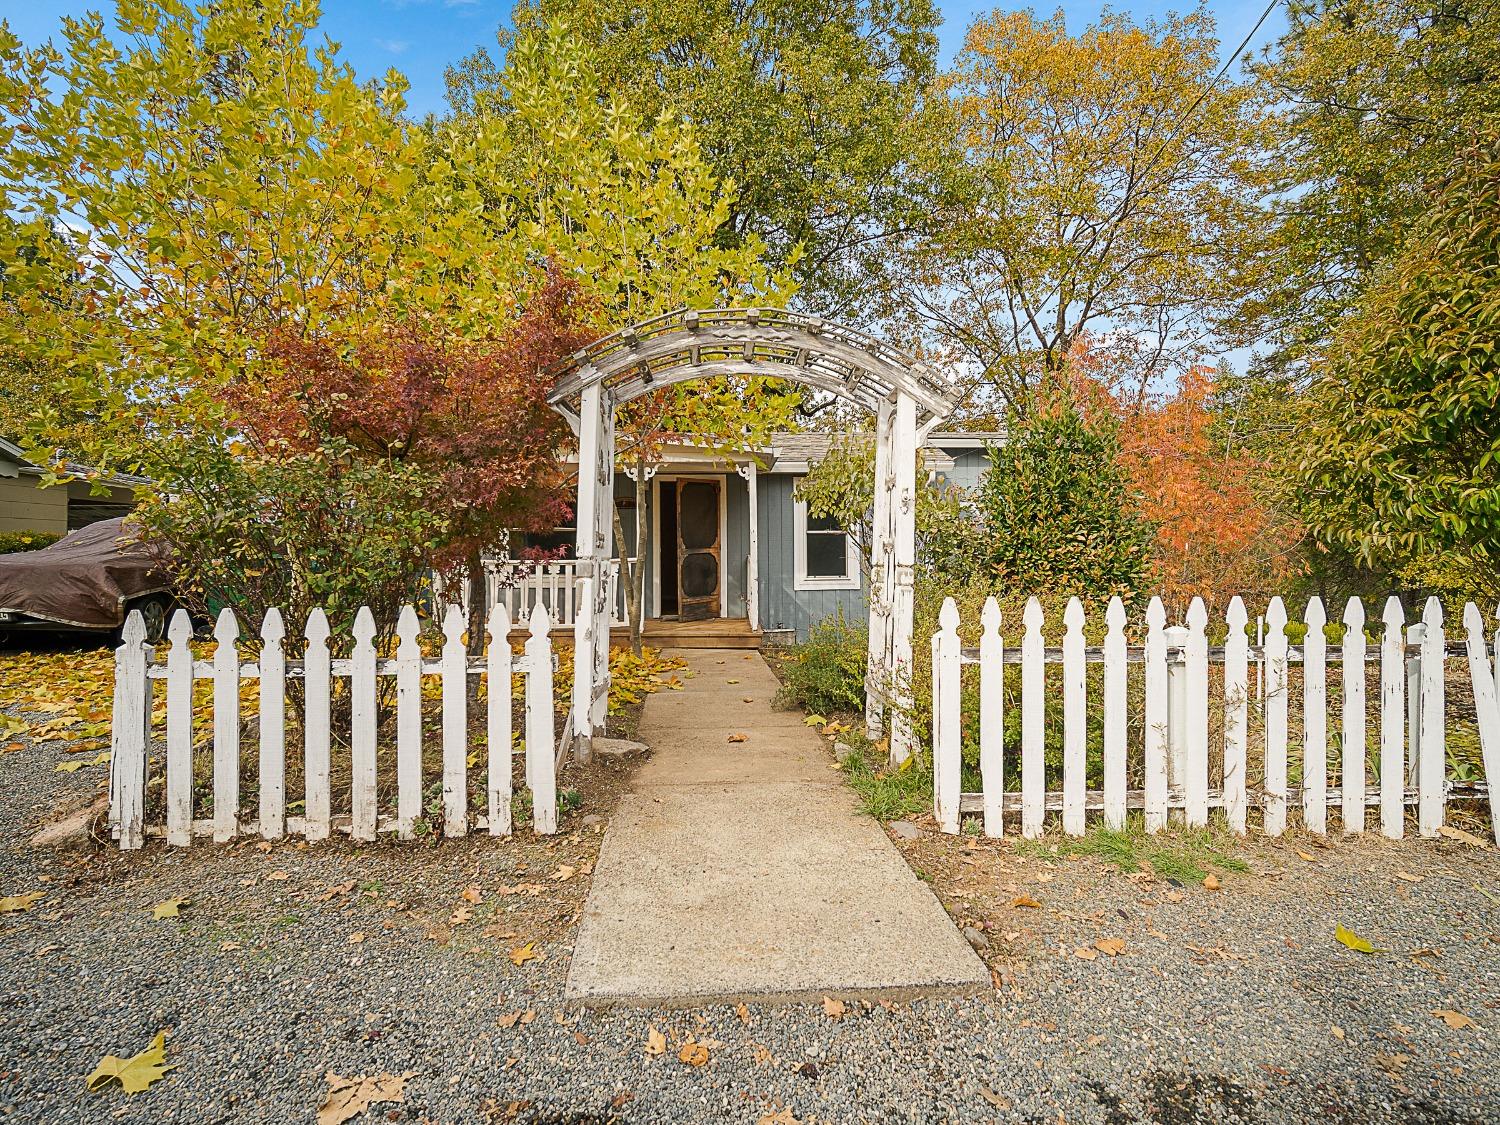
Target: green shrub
<point>827,673</point>
<point>14,541</point>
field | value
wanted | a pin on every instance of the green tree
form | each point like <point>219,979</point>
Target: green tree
<point>1398,446</point>
<point>812,113</point>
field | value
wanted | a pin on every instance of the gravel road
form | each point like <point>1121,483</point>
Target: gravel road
<point>1229,1005</point>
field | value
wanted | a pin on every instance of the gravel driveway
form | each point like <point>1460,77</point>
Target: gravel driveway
<point>1229,1005</point>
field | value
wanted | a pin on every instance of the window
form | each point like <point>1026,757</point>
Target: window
<point>825,554</point>
<point>559,543</point>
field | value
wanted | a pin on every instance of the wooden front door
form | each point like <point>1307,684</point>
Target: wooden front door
<point>698,569</point>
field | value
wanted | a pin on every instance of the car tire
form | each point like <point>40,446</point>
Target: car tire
<point>155,612</point>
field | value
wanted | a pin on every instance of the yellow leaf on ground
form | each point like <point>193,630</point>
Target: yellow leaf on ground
<point>356,937</point>
<point>694,1054</point>
<point>472,893</point>
<point>1026,901</point>
<point>656,1042</point>
<point>739,738</point>
<point>1086,953</point>
<point>135,1073</point>
<point>1112,945</point>
<point>1211,882</point>
<point>1459,834</point>
<point>349,1097</point>
<point>12,903</point>
<point>525,953</point>
<point>169,908</point>
<point>1353,940</point>
<point>1455,1020</point>
<point>743,1012</point>
<point>833,1009</point>
<point>1337,1031</point>
<point>814,720</point>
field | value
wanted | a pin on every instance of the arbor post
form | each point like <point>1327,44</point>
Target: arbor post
<point>903,567</point>
<point>586,520</point>
<point>882,577</point>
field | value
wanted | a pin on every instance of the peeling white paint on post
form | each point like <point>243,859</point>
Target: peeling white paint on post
<point>1236,714</point>
<point>1315,719</point>
<point>362,722</point>
<point>408,723</point>
<point>586,521</point>
<point>882,578</point>
<point>540,761</point>
<point>1352,766</point>
<point>1432,759</point>
<point>1276,719</point>
<point>904,525</point>
<point>226,727</point>
<point>947,736</point>
<point>455,726</point>
<point>1486,707</point>
<point>498,733</point>
<point>1115,728</point>
<point>1075,720</point>
<point>1033,722</point>
<point>1195,757</point>
<point>180,731</point>
<point>1155,717</point>
<point>317,727</point>
<point>130,734</point>
<point>272,726</point>
<point>992,719</point>
<point>1393,720</point>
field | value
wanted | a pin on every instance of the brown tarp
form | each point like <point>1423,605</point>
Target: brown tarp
<point>84,579</point>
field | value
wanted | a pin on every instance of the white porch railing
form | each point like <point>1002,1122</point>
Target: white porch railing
<point>522,586</point>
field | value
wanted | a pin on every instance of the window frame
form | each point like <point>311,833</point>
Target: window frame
<point>801,580</point>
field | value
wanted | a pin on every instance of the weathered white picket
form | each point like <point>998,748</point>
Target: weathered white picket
<point>1175,750</point>
<point>137,670</point>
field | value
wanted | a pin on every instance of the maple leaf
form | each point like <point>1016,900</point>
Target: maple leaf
<point>349,1097</point>
<point>13,903</point>
<point>833,1009</point>
<point>523,954</point>
<point>135,1073</point>
<point>1455,1020</point>
<point>169,908</point>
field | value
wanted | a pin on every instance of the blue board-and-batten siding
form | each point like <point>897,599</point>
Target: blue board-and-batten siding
<point>782,605</point>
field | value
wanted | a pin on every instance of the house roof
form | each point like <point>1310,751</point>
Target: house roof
<point>797,452</point>
<point>20,465</point>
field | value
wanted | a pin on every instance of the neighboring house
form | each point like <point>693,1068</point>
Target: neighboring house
<point>26,506</point>
<point>702,523</point>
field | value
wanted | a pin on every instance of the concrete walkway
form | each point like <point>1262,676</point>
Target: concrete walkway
<point>743,870</point>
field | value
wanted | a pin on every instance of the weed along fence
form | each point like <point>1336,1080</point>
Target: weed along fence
<point>1137,722</point>
<point>345,693</point>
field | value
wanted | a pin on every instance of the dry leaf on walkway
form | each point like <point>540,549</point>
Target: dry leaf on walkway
<point>1112,945</point>
<point>694,1054</point>
<point>1337,1031</point>
<point>739,738</point>
<point>743,1012</point>
<point>356,937</point>
<point>1305,855</point>
<point>278,876</point>
<point>1455,1020</point>
<point>472,893</point>
<point>230,946</point>
<point>814,720</point>
<point>169,908</point>
<point>656,1042</point>
<point>525,953</point>
<point>136,1073</point>
<point>1086,953</point>
<point>782,1116</point>
<point>349,1097</point>
<point>731,681</point>
<point>511,1019</point>
<point>1353,940</point>
<point>1211,882</point>
<point>564,873</point>
<point>1459,834</point>
<point>1025,900</point>
<point>460,916</point>
<point>1408,877</point>
<point>13,903</point>
<point>833,1009</point>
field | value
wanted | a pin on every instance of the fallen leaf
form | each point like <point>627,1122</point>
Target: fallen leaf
<point>1211,882</point>
<point>525,953</point>
<point>14,903</point>
<point>1338,1032</point>
<point>1026,901</point>
<point>511,1019</point>
<point>833,1009</point>
<point>564,873</point>
<point>814,721</point>
<point>1305,855</point>
<point>356,937</point>
<point>1086,953</point>
<point>1112,945</point>
<point>279,876</point>
<point>229,946</point>
<point>169,908</point>
<point>782,1116</point>
<point>739,738</point>
<point>1409,877</point>
<point>656,1042</point>
<point>694,1054</point>
<point>1353,940</point>
<point>460,916</point>
<point>472,893</point>
<point>760,1053</point>
<point>349,1097</point>
<point>731,681</point>
<point>743,1012</point>
<point>1459,834</point>
<point>1455,1020</point>
<point>993,1098</point>
<point>135,1073</point>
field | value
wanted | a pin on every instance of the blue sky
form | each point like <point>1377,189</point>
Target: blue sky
<point>421,37</point>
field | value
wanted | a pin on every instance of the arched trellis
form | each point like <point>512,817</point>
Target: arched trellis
<point>906,398</point>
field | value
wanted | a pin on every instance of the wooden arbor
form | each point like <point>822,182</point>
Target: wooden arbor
<point>907,401</point>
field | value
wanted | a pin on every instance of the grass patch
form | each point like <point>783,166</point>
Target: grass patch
<point>1185,854</point>
<point>885,793</point>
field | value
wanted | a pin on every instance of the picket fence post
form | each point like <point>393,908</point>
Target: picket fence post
<point>180,731</point>
<point>1352,767</point>
<point>317,728</point>
<point>226,727</point>
<point>455,725</point>
<point>1486,707</point>
<point>1236,714</point>
<point>1315,719</point>
<point>272,726</point>
<point>130,735</point>
<point>408,723</point>
<point>1393,720</point>
<point>1157,721</point>
<point>1114,716</point>
<point>1432,763</point>
<point>1033,722</point>
<point>1274,815</point>
<point>992,719</point>
<point>1195,760</point>
<point>1075,720</point>
<point>947,737</point>
<point>498,721</point>
<point>540,761</point>
<point>362,727</point>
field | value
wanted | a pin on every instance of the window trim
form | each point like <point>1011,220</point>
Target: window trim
<point>800,578</point>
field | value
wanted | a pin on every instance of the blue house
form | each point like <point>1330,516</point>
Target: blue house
<point>732,557</point>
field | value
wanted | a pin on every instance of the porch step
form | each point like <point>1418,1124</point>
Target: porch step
<point>717,632</point>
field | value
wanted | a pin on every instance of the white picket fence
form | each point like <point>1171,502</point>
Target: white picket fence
<point>137,672</point>
<point>1173,760</point>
